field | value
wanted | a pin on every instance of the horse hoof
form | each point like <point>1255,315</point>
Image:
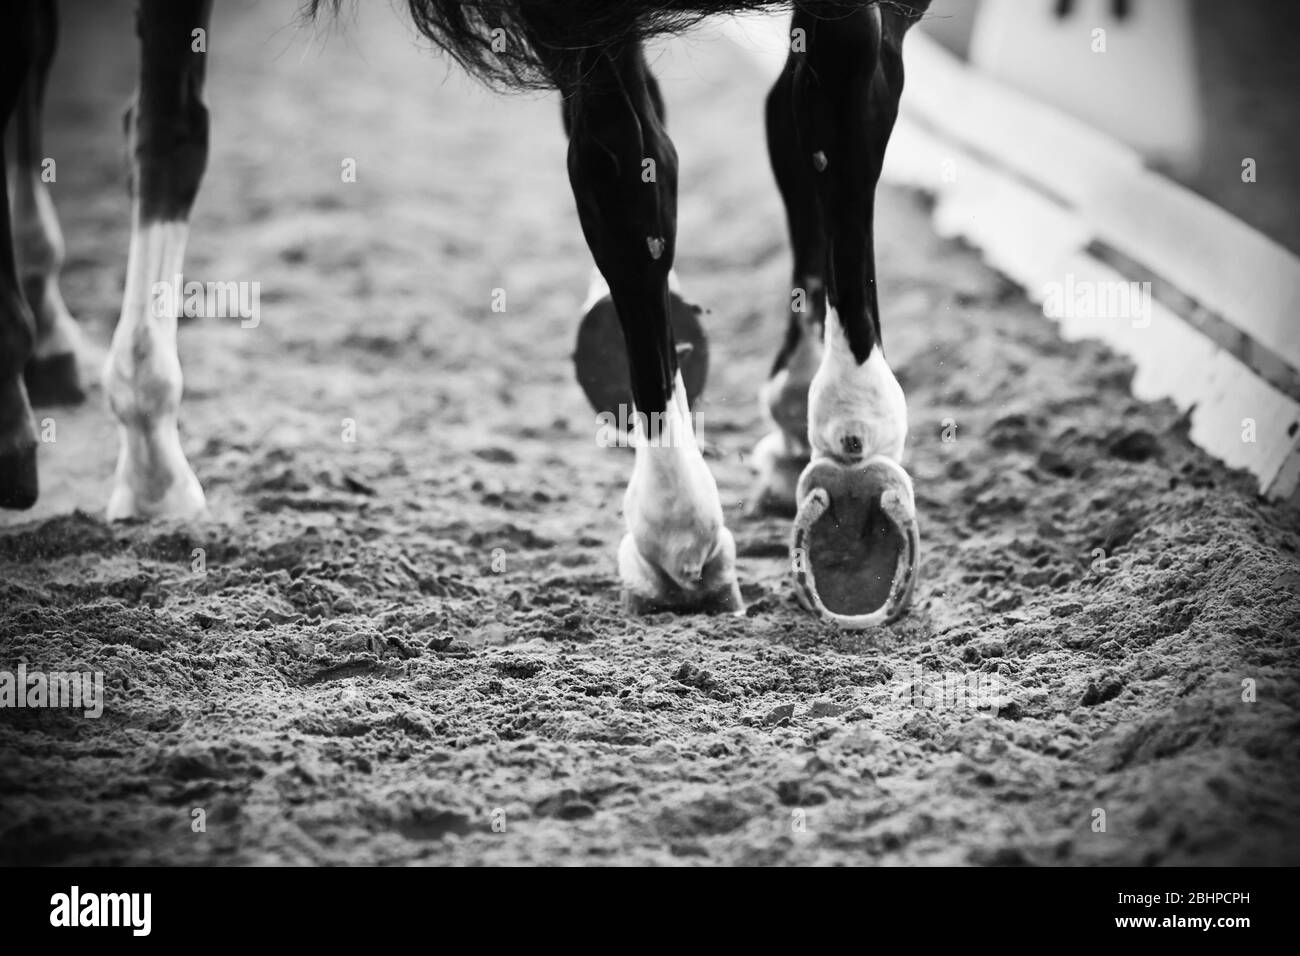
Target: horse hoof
<point>648,589</point>
<point>18,485</point>
<point>856,547</point>
<point>182,500</point>
<point>778,466</point>
<point>600,358</point>
<point>53,380</point>
<point>723,600</point>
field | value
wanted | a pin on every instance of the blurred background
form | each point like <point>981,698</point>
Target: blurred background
<point>1196,86</point>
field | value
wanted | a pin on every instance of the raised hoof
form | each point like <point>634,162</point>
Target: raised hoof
<point>18,485</point>
<point>53,380</point>
<point>600,358</point>
<point>648,589</point>
<point>856,546</point>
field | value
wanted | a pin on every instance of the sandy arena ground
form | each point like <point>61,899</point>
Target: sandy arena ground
<point>351,681</point>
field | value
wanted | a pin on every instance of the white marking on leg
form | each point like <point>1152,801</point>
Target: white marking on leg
<point>673,512</point>
<point>854,411</point>
<point>780,456</point>
<point>38,253</point>
<point>784,397</point>
<point>142,377</point>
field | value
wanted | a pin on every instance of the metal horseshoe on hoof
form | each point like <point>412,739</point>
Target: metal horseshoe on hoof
<point>855,548</point>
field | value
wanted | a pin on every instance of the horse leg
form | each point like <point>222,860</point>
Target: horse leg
<point>167,132</point>
<point>781,455</point>
<point>599,359</point>
<point>677,554</point>
<point>856,528</point>
<point>17,327</point>
<point>51,372</point>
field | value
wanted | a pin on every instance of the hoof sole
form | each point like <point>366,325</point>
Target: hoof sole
<point>855,547</point>
<point>600,358</point>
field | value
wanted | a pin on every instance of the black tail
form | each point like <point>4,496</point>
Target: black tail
<point>520,44</point>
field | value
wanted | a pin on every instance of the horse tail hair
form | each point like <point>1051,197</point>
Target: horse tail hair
<point>544,44</point>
